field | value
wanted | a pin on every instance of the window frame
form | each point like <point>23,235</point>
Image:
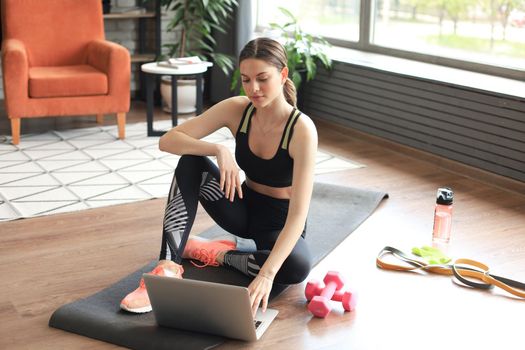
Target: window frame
<point>364,44</point>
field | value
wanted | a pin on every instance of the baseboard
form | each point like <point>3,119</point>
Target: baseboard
<point>502,182</point>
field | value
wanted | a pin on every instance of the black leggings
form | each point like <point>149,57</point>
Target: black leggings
<point>255,216</point>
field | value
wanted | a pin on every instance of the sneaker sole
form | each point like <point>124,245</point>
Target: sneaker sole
<point>198,238</point>
<point>139,310</point>
<point>224,237</point>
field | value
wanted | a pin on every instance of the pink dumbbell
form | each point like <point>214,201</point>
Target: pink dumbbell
<point>320,296</point>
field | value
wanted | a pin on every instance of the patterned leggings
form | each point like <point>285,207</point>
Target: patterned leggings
<point>255,216</point>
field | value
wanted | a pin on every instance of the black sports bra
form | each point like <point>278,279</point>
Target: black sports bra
<point>274,172</point>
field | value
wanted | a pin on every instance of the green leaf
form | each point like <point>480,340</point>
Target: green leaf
<point>206,25</point>
<point>223,12</point>
<point>288,13</point>
<point>327,62</point>
<point>219,29</point>
<point>297,79</point>
<point>235,80</point>
<point>205,46</point>
<point>224,62</point>
<point>213,16</point>
<point>208,38</point>
<point>276,26</point>
<point>289,24</point>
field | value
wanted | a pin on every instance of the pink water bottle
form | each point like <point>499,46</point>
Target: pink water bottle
<point>443,215</point>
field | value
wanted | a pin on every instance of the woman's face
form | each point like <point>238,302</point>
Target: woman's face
<point>262,81</point>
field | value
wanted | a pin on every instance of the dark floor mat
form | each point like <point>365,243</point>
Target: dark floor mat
<point>335,212</point>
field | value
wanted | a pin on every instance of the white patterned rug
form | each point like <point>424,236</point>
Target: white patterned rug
<point>62,171</point>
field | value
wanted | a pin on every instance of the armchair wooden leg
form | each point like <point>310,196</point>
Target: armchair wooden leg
<point>100,119</point>
<point>121,121</point>
<point>15,130</point>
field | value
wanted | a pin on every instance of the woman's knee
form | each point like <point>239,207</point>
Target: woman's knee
<point>189,161</point>
<point>193,166</point>
<point>189,168</point>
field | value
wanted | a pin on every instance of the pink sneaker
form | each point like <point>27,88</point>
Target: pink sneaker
<point>205,250</point>
<point>138,300</point>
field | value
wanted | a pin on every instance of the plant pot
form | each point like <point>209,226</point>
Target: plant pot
<point>186,95</point>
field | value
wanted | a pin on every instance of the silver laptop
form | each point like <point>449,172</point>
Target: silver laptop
<point>206,307</point>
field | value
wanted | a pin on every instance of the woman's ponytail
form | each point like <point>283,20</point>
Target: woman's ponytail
<point>289,92</point>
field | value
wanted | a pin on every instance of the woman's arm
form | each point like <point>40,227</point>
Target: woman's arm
<point>303,148</point>
<point>186,139</point>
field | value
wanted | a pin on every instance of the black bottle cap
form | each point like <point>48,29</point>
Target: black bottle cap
<point>444,196</point>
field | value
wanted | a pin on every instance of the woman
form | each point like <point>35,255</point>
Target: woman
<point>275,146</point>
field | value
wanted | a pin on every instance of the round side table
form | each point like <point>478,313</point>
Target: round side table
<point>152,70</point>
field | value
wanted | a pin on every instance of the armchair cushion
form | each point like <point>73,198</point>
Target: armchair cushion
<point>114,60</point>
<point>64,81</point>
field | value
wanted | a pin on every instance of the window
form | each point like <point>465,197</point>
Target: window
<point>337,19</point>
<point>487,36</point>
<point>461,29</point>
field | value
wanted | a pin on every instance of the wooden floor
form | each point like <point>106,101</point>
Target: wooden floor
<point>48,261</point>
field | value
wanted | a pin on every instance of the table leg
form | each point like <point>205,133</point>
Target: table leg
<point>150,82</point>
<point>174,109</point>
<point>199,93</point>
<point>150,86</point>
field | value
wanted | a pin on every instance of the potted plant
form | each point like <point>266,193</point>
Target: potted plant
<point>304,51</point>
<point>196,20</point>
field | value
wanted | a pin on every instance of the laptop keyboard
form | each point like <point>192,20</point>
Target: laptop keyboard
<point>256,323</point>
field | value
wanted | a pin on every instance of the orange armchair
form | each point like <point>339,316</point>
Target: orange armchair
<point>56,62</point>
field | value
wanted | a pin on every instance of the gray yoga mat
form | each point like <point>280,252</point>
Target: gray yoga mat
<point>335,212</point>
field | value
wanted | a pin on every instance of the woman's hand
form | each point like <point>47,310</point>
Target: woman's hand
<point>230,180</point>
<point>260,289</point>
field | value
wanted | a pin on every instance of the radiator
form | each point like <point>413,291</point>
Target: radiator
<point>479,128</point>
